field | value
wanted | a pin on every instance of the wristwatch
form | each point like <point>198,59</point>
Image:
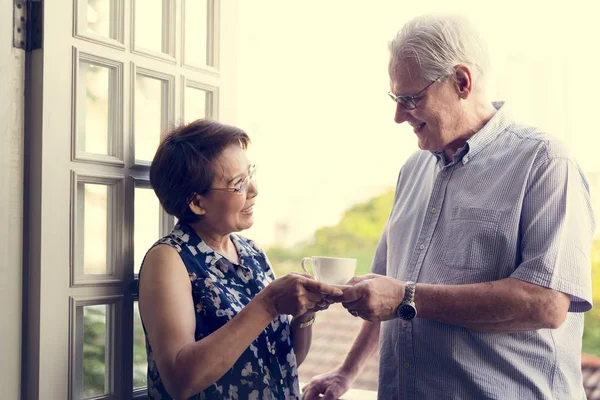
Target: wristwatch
<point>406,310</point>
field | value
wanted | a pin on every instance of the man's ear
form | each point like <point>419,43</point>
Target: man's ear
<point>462,81</point>
<point>196,206</point>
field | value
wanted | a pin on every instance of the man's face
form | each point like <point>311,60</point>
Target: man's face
<point>437,118</point>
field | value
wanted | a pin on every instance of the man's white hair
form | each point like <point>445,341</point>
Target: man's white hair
<point>438,43</point>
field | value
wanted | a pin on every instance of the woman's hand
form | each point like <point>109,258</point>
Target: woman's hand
<point>297,294</point>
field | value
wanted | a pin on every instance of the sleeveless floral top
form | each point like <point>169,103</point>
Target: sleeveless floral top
<point>220,289</point>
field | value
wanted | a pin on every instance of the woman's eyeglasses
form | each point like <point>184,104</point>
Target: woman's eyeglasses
<point>242,187</point>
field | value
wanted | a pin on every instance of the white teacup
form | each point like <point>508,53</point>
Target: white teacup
<point>331,270</point>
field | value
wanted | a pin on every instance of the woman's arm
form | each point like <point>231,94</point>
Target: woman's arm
<point>187,366</point>
<point>167,309</point>
<point>301,337</point>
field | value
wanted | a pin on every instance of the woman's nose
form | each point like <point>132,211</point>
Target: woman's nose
<point>252,190</point>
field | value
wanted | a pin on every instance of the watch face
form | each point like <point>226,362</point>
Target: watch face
<point>407,312</point>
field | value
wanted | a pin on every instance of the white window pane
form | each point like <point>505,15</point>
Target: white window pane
<point>146,224</point>
<point>195,104</point>
<point>149,111</point>
<point>150,25</point>
<point>93,217</point>
<point>99,17</point>
<point>93,113</point>
<point>196,32</point>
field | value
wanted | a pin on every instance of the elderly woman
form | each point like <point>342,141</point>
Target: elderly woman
<point>215,318</point>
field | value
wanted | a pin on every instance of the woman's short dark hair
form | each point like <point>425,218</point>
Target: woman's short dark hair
<point>184,163</point>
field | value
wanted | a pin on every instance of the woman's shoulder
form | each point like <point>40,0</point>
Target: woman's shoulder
<point>169,249</point>
<point>178,238</point>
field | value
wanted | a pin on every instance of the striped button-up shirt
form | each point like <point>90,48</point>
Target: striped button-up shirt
<point>512,203</point>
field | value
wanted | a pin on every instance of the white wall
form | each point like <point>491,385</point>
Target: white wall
<point>12,63</point>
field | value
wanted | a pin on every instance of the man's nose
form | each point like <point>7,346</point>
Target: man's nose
<point>400,115</point>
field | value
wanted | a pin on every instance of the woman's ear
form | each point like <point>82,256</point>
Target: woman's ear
<point>195,205</point>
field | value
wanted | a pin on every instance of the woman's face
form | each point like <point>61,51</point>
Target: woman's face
<point>228,211</point>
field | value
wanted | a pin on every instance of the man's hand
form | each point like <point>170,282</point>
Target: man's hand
<point>331,385</point>
<point>373,297</point>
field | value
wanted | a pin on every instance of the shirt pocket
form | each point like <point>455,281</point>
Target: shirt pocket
<point>470,241</point>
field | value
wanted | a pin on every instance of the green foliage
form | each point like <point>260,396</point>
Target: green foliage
<point>355,236</point>
<point>139,352</point>
<point>591,333</point>
<point>94,351</point>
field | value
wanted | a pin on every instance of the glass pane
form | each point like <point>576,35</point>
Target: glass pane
<point>150,32</point>
<point>140,364</point>
<point>93,213</point>
<point>195,104</point>
<point>94,350</point>
<point>93,114</point>
<point>148,115</point>
<point>196,32</point>
<point>146,228</point>
<point>98,17</point>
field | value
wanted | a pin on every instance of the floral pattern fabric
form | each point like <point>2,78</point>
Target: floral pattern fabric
<point>221,289</point>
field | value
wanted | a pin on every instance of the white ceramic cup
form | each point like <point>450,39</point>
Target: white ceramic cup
<point>331,270</point>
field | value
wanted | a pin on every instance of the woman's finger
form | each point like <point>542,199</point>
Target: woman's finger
<point>315,297</point>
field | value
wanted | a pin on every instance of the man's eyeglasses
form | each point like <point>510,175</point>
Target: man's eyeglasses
<point>410,102</point>
<point>242,186</point>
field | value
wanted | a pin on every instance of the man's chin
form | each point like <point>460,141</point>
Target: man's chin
<point>424,145</point>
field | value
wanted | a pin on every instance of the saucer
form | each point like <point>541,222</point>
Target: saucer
<point>341,286</point>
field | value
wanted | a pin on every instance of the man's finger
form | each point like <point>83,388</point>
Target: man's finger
<point>310,392</point>
<point>329,395</point>
<point>357,279</point>
<point>352,294</point>
<point>353,305</point>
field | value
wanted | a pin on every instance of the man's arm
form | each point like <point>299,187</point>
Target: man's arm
<point>335,383</point>
<point>507,305</point>
<point>365,344</point>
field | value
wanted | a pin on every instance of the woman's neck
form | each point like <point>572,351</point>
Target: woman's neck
<point>220,243</point>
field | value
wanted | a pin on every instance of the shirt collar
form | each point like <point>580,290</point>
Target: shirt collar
<point>245,251</point>
<point>481,138</point>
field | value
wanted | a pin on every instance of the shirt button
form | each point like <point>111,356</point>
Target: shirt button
<point>404,324</point>
<point>281,381</point>
<point>272,351</point>
<point>434,210</point>
<point>406,365</point>
<point>422,247</point>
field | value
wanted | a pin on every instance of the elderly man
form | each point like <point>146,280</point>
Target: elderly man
<point>482,273</point>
